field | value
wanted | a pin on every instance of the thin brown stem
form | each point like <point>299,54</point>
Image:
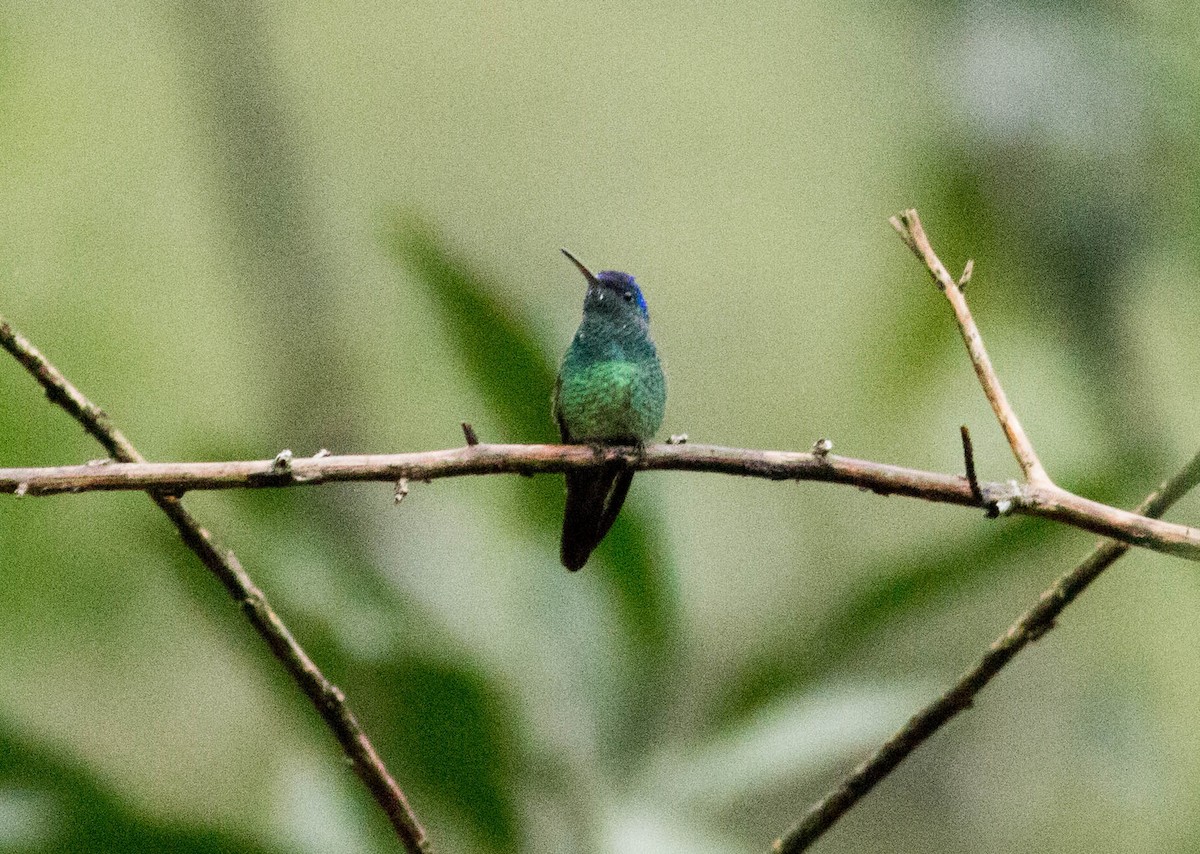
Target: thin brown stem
<point>1050,502</point>
<point>1034,623</point>
<point>908,226</point>
<point>969,463</point>
<point>328,699</point>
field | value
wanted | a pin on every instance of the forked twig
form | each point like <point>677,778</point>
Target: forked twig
<point>1033,623</point>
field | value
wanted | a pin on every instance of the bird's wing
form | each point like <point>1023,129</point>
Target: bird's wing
<point>556,408</point>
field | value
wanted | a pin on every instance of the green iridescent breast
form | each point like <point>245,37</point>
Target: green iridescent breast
<point>612,401</point>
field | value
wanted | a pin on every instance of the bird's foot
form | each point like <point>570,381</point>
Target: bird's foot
<point>638,457</point>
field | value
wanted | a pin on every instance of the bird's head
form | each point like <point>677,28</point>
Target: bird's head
<point>611,291</point>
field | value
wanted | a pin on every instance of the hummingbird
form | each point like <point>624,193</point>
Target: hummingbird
<point>610,391</point>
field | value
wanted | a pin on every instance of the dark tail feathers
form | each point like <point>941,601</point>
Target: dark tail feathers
<point>594,499</point>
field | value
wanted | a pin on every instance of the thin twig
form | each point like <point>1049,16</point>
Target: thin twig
<point>908,226</point>
<point>969,462</point>
<point>1049,502</point>
<point>328,699</point>
<point>469,434</point>
<point>1029,627</point>
<point>968,269</point>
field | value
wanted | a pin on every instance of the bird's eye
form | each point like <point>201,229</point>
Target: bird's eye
<point>628,296</point>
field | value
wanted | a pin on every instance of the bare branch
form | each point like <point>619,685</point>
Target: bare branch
<point>1029,627</point>
<point>908,226</point>
<point>1034,623</point>
<point>328,699</point>
<point>1050,502</point>
<point>1039,496</point>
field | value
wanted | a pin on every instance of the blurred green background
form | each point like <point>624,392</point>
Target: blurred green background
<point>242,227</point>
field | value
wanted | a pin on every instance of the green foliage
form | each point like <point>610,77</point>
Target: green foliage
<point>50,804</point>
<point>492,340</point>
<point>897,589</point>
<point>452,735</point>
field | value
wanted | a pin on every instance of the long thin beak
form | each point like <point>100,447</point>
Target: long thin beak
<point>587,274</point>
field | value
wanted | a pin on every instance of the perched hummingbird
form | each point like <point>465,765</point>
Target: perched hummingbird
<point>610,391</point>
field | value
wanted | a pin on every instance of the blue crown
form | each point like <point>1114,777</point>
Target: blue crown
<point>625,282</point>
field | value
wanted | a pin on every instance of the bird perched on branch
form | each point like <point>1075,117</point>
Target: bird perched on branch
<point>610,391</point>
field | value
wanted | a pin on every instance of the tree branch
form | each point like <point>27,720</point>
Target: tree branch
<point>1033,623</point>
<point>328,699</point>
<point>1038,496</point>
<point>1029,627</point>
<point>1050,502</point>
<point>908,226</point>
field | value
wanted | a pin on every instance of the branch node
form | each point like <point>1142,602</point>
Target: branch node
<point>324,452</point>
<point>677,439</point>
<point>282,464</point>
<point>102,461</point>
<point>1006,501</point>
<point>401,491</point>
<point>21,489</point>
<point>822,447</point>
<point>469,433</point>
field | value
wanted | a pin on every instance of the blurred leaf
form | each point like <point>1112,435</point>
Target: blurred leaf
<point>496,345</point>
<point>784,741</point>
<point>650,598</point>
<point>500,354</point>
<point>515,377</point>
<point>48,804</point>
<point>902,588</point>
<point>640,823</point>
<point>449,732</point>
